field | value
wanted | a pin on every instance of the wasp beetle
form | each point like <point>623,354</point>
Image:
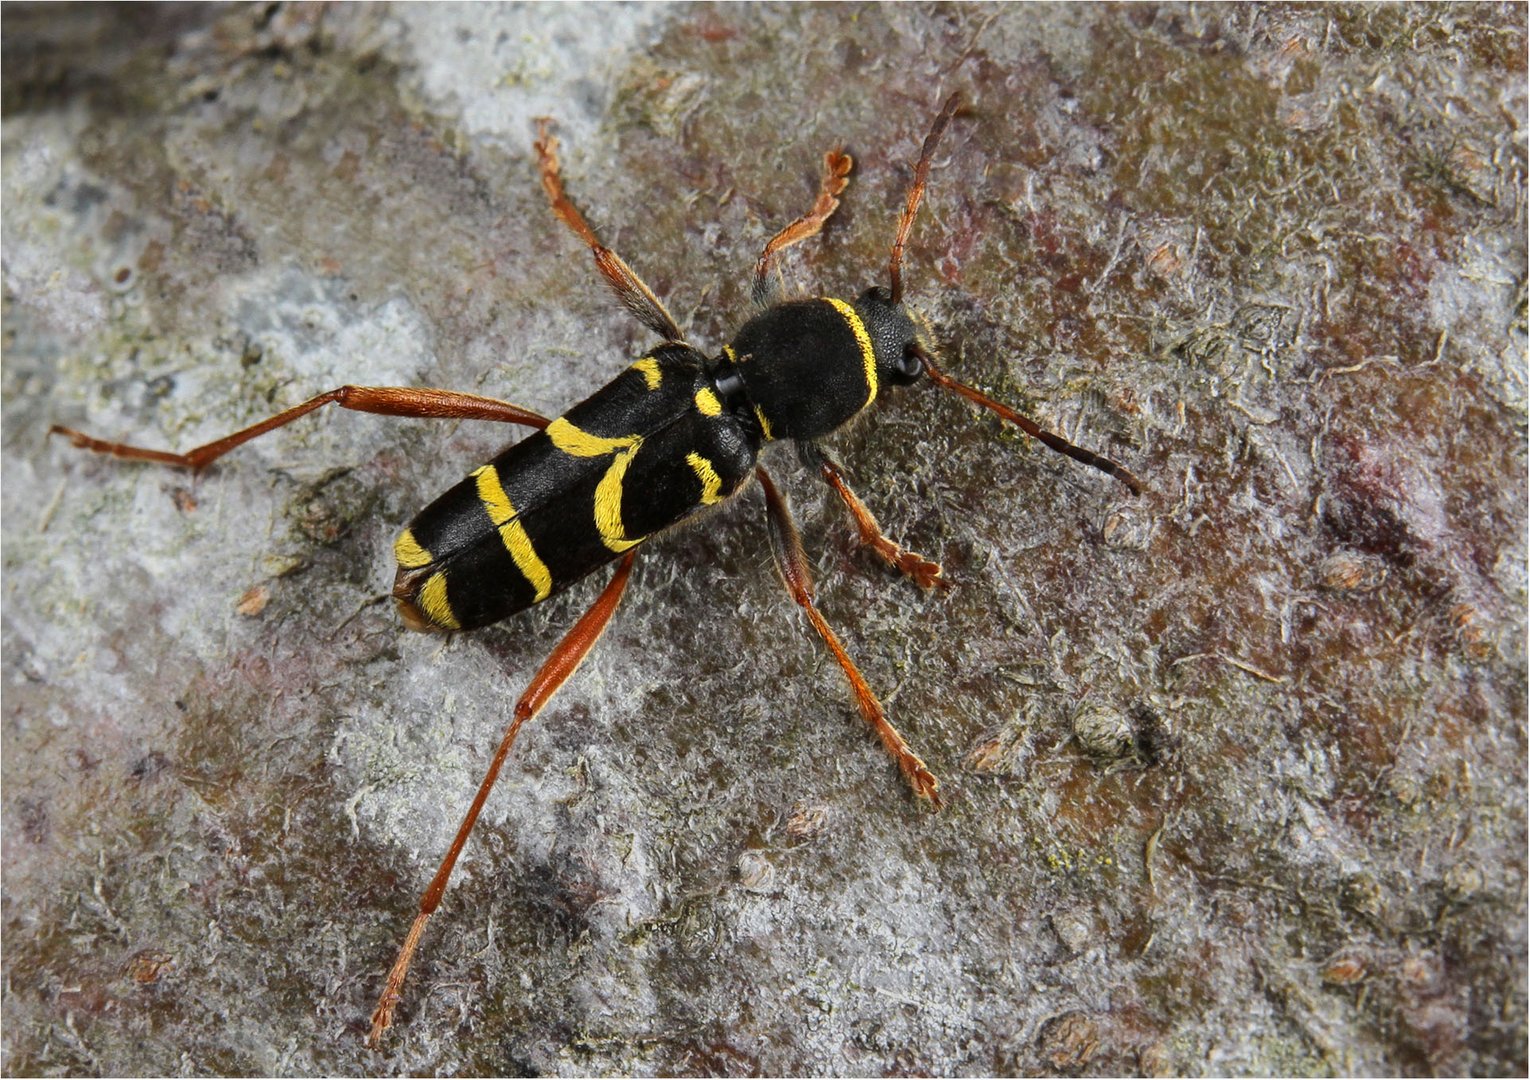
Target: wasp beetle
<point>676,432</point>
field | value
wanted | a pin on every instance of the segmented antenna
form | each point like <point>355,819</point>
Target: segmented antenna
<point>1029,426</point>
<point>916,192</point>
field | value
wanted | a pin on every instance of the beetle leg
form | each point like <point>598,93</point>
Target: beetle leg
<point>922,571</point>
<point>635,296</point>
<point>792,563</point>
<point>565,659</point>
<point>420,402</point>
<point>836,173</point>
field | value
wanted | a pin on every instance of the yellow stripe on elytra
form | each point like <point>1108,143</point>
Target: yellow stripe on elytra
<point>648,367</point>
<point>434,603</point>
<point>518,544</point>
<point>580,443</point>
<point>608,493</point>
<point>409,553</point>
<point>730,354</point>
<point>492,494</point>
<point>512,532</point>
<point>711,483</point>
<point>707,403</point>
<point>863,339</point>
<point>608,503</point>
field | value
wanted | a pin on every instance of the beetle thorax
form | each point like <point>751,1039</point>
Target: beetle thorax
<point>806,367</point>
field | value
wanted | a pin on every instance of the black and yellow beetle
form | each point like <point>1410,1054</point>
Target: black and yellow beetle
<point>676,432</point>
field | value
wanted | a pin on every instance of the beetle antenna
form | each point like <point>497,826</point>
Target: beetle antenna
<point>1029,426</point>
<point>916,192</point>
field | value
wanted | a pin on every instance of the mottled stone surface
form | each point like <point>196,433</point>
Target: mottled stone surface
<point>1236,770</point>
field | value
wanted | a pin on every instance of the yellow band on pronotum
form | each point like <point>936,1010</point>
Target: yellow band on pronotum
<point>863,339</point>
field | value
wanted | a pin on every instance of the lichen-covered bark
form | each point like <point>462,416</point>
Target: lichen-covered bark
<point>1236,770</point>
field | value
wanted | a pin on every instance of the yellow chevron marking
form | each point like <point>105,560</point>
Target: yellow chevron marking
<point>434,603</point>
<point>512,533</point>
<point>608,493</point>
<point>649,368</point>
<point>409,553</point>
<point>580,443</point>
<point>711,483</point>
<point>608,502</point>
<point>707,403</point>
<point>863,339</point>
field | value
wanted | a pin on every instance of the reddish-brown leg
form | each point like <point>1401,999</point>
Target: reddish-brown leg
<point>420,402</point>
<point>565,659</point>
<point>635,296</point>
<point>836,172</point>
<point>925,574</point>
<point>792,562</point>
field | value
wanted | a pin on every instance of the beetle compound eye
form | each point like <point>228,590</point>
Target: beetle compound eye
<point>910,365</point>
